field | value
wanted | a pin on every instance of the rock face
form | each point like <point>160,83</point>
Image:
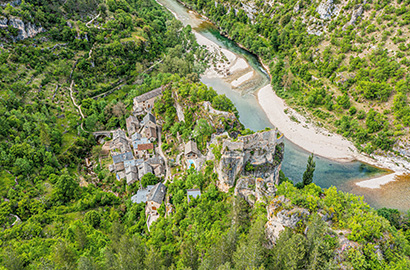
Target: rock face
<point>254,189</point>
<point>279,218</point>
<point>256,156</point>
<point>326,10</point>
<point>355,15</point>
<point>25,30</point>
<point>14,3</point>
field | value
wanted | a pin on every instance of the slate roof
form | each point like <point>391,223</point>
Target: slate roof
<point>140,141</point>
<point>131,177</point>
<point>190,147</point>
<point>130,169</point>
<point>132,124</point>
<point>136,136</point>
<point>119,133</point>
<point>149,95</point>
<point>143,169</point>
<point>157,194</point>
<point>133,162</point>
<point>122,157</point>
<point>148,118</point>
<point>141,195</point>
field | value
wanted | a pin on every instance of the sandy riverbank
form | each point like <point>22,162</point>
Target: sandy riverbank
<point>323,143</point>
<point>295,128</point>
<point>236,70</point>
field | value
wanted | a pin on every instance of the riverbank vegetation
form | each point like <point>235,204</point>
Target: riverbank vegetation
<point>345,64</point>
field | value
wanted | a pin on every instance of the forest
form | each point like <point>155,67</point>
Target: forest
<point>79,77</point>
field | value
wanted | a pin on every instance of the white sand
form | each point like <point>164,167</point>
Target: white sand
<point>242,79</point>
<point>240,64</point>
<point>307,136</point>
<point>323,143</point>
<point>378,182</point>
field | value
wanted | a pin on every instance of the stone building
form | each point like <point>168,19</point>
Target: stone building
<point>191,150</point>
<point>132,125</point>
<point>145,102</point>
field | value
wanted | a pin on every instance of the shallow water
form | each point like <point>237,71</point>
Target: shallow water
<point>328,173</point>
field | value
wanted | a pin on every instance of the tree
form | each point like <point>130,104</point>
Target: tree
<point>149,179</point>
<point>93,218</point>
<point>66,188</point>
<point>202,131</point>
<point>310,169</point>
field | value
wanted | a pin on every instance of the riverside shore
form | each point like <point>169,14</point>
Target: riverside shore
<point>235,70</point>
<point>296,127</point>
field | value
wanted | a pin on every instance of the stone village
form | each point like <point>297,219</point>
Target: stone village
<point>137,152</point>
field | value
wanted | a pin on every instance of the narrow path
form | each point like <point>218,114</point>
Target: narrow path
<point>72,98</point>
<point>168,172</point>
<point>93,19</point>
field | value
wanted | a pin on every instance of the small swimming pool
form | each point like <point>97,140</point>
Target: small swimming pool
<point>191,163</point>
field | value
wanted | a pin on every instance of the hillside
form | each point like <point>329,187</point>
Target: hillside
<point>342,63</point>
<point>114,156</point>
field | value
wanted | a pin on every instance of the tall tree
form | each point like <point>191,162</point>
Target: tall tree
<point>310,169</point>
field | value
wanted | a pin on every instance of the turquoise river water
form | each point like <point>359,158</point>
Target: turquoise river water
<point>328,173</point>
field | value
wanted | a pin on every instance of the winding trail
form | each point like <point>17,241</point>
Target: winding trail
<point>72,98</point>
<point>96,17</point>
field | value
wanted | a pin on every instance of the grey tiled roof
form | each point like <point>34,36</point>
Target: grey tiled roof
<point>149,95</point>
<point>190,147</point>
<point>141,195</point>
<point>149,118</point>
<point>133,162</point>
<point>157,194</point>
<point>122,157</point>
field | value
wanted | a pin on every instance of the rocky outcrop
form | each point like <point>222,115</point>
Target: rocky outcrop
<point>326,10</point>
<point>25,30</point>
<point>357,12</point>
<point>14,3</point>
<point>279,218</point>
<point>254,189</point>
<point>3,22</point>
<point>258,155</point>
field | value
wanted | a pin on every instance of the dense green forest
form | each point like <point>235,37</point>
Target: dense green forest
<point>344,63</point>
<point>54,215</point>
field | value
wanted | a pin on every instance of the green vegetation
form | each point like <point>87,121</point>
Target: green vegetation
<point>56,214</point>
<point>341,67</point>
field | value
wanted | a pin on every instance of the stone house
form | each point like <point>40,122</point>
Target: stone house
<point>132,125</point>
<point>149,121</point>
<point>119,160</point>
<point>191,150</point>
<point>150,133</point>
<point>155,197</point>
<point>131,174</point>
<point>119,143</point>
<point>145,102</point>
<point>143,169</point>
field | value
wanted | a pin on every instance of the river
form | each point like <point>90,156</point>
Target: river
<point>328,173</point>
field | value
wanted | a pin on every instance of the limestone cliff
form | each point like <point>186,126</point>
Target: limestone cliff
<point>256,156</point>
<point>24,30</point>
